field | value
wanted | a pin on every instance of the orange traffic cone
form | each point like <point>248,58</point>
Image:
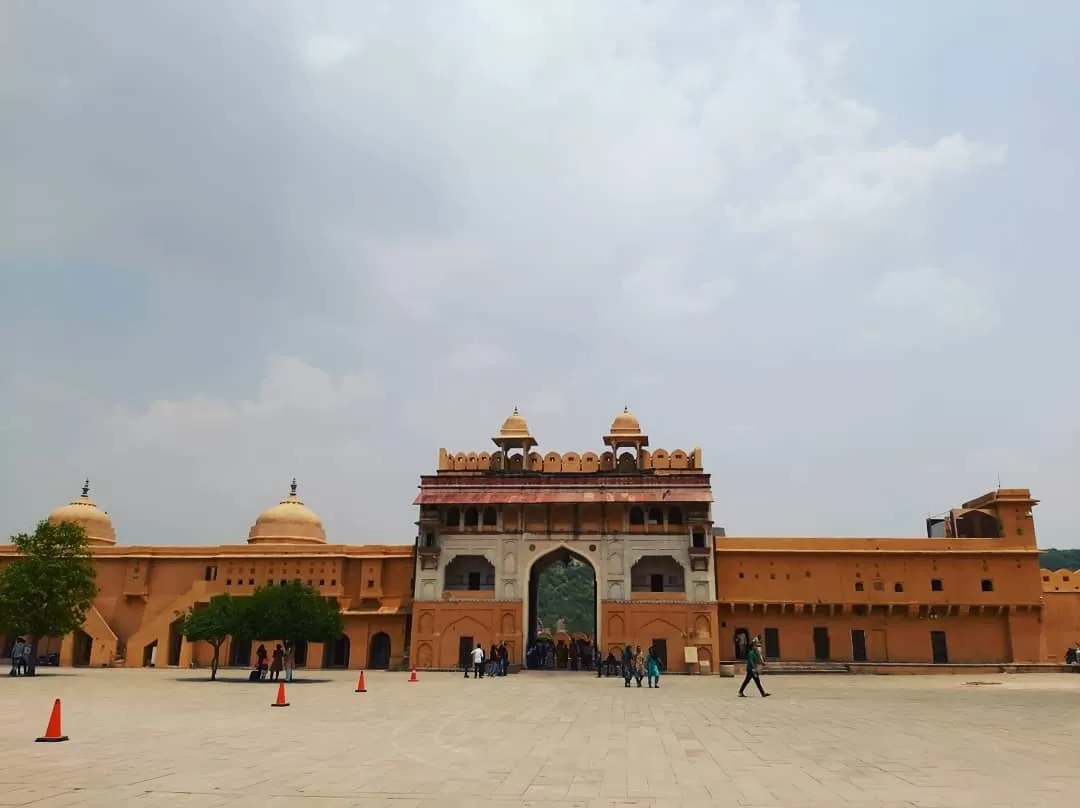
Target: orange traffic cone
<point>360,685</point>
<point>412,676</point>
<point>280,696</point>
<point>52,732</point>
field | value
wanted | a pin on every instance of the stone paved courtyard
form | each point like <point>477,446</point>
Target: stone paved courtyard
<point>168,738</point>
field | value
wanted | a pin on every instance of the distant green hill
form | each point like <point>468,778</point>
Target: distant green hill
<point>1054,559</point>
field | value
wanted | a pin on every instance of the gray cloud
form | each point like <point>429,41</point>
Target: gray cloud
<point>260,240</point>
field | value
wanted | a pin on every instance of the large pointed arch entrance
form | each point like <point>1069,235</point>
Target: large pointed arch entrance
<point>562,595</point>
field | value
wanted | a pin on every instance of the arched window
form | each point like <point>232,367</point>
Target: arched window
<point>490,517</point>
<point>674,515</point>
<point>452,517</point>
<point>656,516</point>
<point>472,517</point>
<point>637,516</point>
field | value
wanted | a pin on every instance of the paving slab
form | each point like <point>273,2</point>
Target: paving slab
<point>169,738</point>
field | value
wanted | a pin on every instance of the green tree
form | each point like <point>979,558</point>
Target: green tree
<point>48,589</point>
<point>293,612</point>
<point>223,617</point>
<point>567,592</point>
<point>1054,559</point>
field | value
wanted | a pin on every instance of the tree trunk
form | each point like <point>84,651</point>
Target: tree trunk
<point>214,660</point>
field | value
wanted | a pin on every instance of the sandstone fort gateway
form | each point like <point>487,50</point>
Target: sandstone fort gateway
<point>967,591</point>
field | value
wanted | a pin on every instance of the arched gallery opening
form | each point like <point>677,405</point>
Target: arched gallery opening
<point>379,652</point>
<point>562,612</point>
<point>336,653</point>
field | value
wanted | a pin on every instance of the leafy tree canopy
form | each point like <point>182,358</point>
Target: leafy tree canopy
<point>293,611</point>
<point>567,592</point>
<point>48,589</point>
<point>223,617</point>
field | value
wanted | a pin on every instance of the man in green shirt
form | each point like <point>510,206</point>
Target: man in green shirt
<point>753,663</point>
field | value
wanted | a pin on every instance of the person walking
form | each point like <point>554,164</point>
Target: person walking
<point>652,668</point>
<point>753,664</point>
<point>639,665</point>
<point>628,664</point>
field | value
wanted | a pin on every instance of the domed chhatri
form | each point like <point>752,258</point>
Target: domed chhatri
<point>514,426</point>
<point>514,433</point>
<point>626,432</point>
<point>626,423</point>
<point>96,524</point>
<point>288,522</point>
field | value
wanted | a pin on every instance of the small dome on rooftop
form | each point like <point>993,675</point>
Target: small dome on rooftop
<point>514,426</point>
<point>625,423</point>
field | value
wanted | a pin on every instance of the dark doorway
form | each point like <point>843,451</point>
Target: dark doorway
<point>176,641</point>
<point>379,653</point>
<point>336,653</point>
<point>858,645</point>
<point>656,582</point>
<point>240,652</point>
<point>149,655</point>
<point>742,643</point>
<point>772,643</point>
<point>562,587</point>
<point>659,647</point>
<point>821,644</point>
<point>474,581</point>
<point>300,657</point>
<point>83,646</point>
<point>464,653</point>
<point>939,648</point>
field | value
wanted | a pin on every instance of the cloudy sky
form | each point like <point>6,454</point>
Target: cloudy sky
<point>833,244</point>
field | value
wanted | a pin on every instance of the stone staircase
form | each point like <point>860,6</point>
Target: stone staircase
<point>157,627</point>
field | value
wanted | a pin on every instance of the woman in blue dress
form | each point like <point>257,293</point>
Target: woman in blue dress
<point>652,668</point>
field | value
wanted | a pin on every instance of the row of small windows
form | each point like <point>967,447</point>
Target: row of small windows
<point>270,582</point>
<point>474,517</point>
<point>655,516</point>
<point>211,572</point>
<point>936,585</point>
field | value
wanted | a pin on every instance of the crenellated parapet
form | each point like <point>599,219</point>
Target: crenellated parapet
<point>1060,580</point>
<point>660,460</point>
<point>627,453</point>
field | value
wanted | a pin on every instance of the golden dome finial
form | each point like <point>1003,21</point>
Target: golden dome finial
<point>86,487</point>
<point>292,487</point>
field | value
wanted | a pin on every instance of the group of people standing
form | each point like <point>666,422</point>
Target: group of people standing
<point>283,659</point>
<point>576,655</point>
<point>21,653</point>
<point>638,665</point>
<point>497,663</point>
